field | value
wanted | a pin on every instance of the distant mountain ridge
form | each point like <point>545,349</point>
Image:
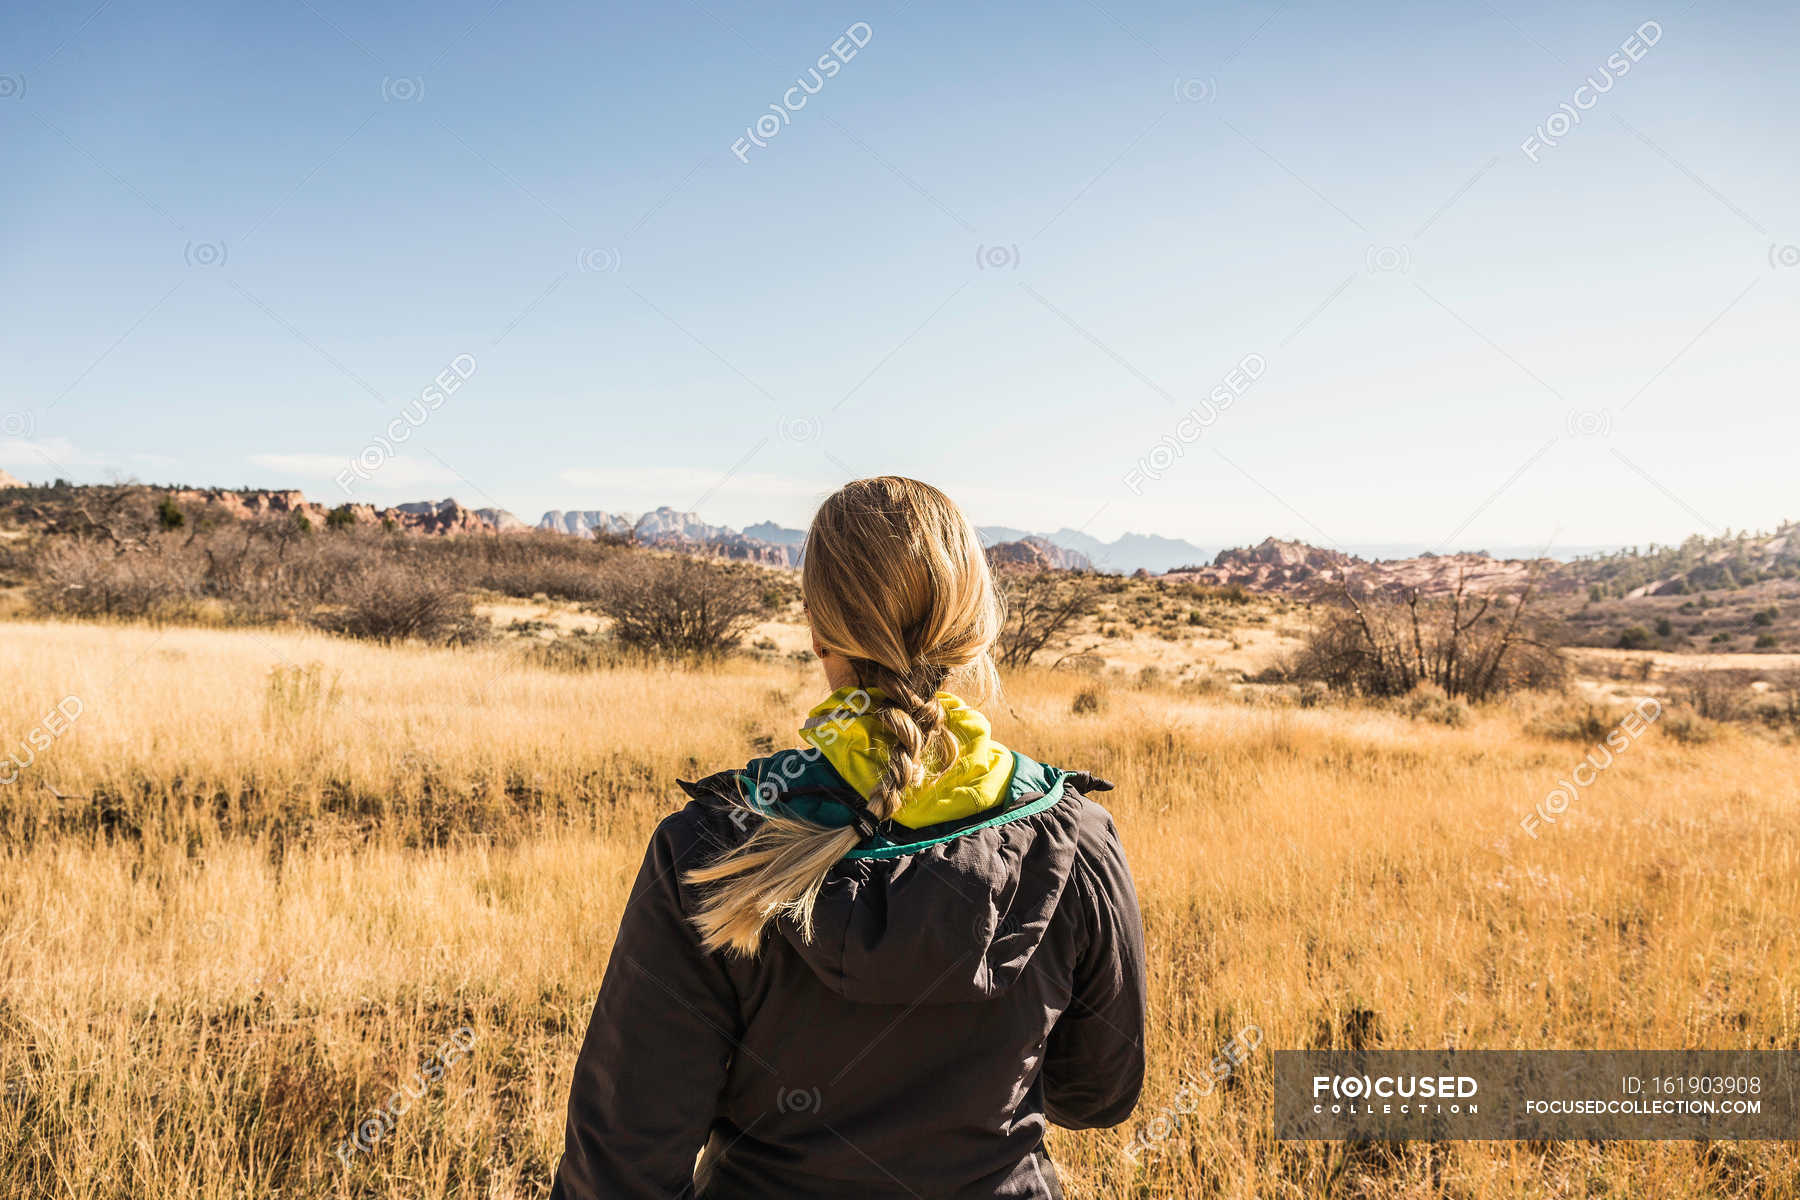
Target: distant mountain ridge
<point>587,522</point>
<point>1036,553</point>
<point>1127,553</point>
<point>1730,560</point>
<point>674,529</point>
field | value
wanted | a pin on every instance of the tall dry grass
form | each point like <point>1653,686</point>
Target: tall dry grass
<point>262,876</point>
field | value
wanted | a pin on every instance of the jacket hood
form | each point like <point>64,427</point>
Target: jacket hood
<point>947,912</point>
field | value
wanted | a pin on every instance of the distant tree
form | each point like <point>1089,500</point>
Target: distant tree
<point>340,518</point>
<point>1787,683</point>
<point>168,514</point>
<point>1715,695</point>
<point>1040,605</point>
<point>1473,647</point>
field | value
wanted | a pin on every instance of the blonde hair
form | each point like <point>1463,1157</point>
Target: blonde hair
<point>895,580</point>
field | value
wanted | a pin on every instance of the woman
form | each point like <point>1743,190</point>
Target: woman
<point>873,967</point>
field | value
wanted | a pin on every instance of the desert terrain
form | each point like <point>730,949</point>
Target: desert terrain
<point>271,845</point>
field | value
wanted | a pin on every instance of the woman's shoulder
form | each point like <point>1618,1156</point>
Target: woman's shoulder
<point>715,818</point>
<point>1096,834</point>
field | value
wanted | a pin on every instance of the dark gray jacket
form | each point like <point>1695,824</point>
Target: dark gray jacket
<point>965,984</point>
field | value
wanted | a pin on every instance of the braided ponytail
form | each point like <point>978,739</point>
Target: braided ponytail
<point>895,580</point>
<point>912,715</point>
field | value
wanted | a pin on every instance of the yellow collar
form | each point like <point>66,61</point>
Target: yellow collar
<point>844,729</point>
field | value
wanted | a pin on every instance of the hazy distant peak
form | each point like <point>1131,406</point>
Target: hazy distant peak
<point>781,535</point>
<point>1129,552</point>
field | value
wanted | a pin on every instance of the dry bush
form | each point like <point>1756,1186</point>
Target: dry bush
<point>1429,702</point>
<point>1574,721</point>
<point>1786,684</point>
<point>1690,728</point>
<point>1471,647</point>
<point>391,602</point>
<point>544,563</point>
<point>1089,701</point>
<point>1040,606</point>
<point>1714,695</point>
<point>672,604</point>
<point>85,578</point>
<point>358,580</point>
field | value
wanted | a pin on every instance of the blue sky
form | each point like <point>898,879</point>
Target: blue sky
<point>1004,250</point>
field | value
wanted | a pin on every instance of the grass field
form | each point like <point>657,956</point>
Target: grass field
<point>257,878</point>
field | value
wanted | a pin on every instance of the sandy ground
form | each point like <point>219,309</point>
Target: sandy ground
<point>562,617</point>
<point>1669,661</point>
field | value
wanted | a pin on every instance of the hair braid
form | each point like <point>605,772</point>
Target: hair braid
<point>914,717</point>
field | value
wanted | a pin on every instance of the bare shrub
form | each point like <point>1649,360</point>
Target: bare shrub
<point>115,557</point>
<point>525,564</point>
<point>1040,605</point>
<point>1714,695</point>
<point>1472,648</point>
<point>1574,722</point>
<point>1429,702</point>
<point>90,578</point>
<point>1786,684</point>
<point>1690,728</point>
<point>391,602</point>
<point>672,604</point>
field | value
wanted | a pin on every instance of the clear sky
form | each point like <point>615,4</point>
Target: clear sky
<point>1003,248</point>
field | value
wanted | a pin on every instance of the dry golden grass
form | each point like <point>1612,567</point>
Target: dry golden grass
<point>263,875</point>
